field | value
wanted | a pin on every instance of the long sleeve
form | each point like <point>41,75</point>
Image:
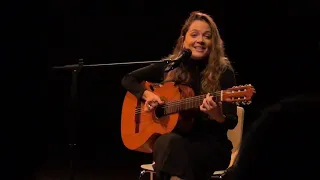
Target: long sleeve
<point>228,80</point>
<point>152,73</point>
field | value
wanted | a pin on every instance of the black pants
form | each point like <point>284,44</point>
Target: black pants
<point>191,157</point>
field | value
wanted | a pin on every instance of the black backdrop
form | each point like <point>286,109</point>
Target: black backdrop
<point>273,46</point>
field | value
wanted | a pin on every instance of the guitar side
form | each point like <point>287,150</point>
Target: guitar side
<point>140,129</point>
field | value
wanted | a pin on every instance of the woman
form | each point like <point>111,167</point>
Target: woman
<point>206,148</point>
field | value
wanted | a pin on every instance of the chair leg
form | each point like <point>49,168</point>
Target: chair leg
<point>151,176</point>
<point>143,172</point>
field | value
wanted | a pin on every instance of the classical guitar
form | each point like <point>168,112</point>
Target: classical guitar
<point>139,129</point>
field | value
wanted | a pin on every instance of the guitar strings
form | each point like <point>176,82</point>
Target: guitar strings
<point>170,104</point>
<point>176,102</point>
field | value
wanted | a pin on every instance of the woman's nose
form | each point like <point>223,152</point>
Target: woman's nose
<point>200,39</point>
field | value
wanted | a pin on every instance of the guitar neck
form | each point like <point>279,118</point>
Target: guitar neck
<point>188,103</point>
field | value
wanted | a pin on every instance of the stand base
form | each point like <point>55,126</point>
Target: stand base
<point>71,169</point>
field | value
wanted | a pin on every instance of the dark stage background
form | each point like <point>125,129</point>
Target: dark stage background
<point>272,44</point>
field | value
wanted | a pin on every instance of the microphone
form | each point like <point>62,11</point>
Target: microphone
<point>186,54</point>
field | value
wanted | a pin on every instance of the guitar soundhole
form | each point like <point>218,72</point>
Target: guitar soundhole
<point>159,112</point>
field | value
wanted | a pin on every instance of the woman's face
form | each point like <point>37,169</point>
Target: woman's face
<point>198,39</point>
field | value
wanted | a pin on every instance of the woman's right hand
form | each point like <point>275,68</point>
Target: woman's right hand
<point>151,100</point>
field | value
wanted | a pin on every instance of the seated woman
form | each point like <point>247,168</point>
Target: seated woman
<point>196,154</point>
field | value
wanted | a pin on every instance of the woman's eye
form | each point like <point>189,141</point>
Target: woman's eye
<point>208,36</point>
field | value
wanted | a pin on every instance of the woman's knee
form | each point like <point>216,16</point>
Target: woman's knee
<point>168,139</point>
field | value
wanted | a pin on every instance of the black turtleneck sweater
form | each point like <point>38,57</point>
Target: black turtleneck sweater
<point>155,73</point>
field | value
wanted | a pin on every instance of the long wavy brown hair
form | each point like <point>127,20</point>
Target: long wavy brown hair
<point>217,60</point>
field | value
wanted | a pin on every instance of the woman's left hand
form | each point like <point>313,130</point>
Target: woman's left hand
<point>212,108</point>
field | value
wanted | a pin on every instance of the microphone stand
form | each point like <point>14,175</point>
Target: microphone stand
<point>76,68</point>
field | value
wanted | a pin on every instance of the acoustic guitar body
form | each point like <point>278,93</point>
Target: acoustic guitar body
<point>139,129</point>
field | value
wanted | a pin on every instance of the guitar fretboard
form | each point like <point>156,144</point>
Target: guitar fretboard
<point>186,104</point>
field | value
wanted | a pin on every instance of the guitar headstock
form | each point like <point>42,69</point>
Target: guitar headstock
<point>239,94</point>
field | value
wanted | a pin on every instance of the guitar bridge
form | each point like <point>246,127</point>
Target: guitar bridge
<point>137,117</point>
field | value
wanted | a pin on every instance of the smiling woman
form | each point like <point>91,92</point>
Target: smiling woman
<point>195,154</point>
<point>198,39</point>
<point>200,34</point>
